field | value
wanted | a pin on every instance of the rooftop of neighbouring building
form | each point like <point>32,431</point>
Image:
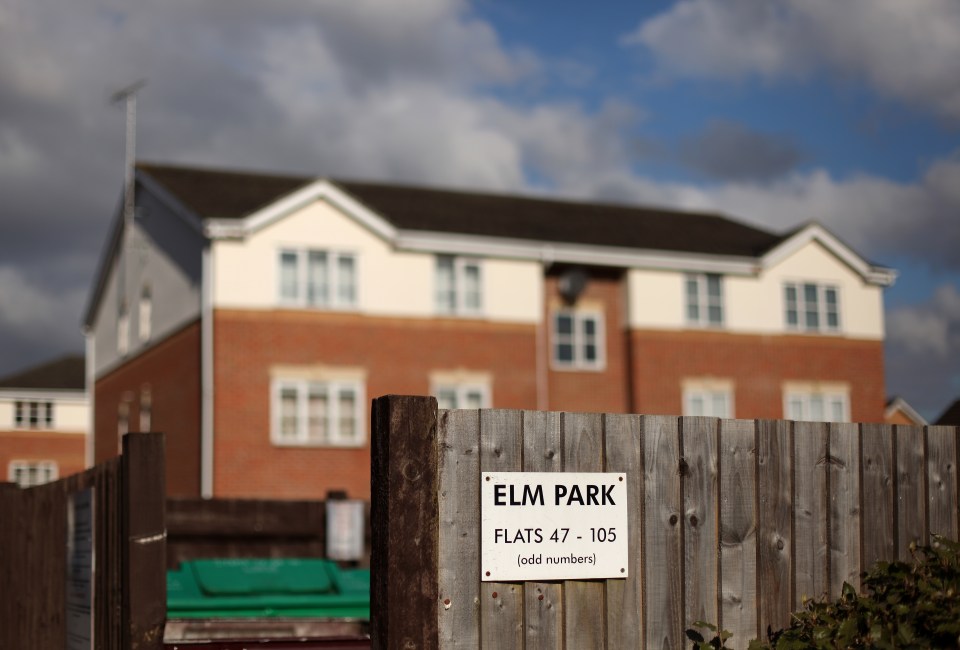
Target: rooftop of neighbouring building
<point>65,373</point>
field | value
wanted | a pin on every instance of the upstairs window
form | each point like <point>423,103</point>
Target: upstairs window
<point>27,473</point>
<point>811,307</point>
<point>33,415</point>
<point>458,285</point>
<point>145,316</point>
<point>578,339</point>
<point>704,300</point>
<point>317,278</point>
<point>318,413</point>
<point>123,331</point>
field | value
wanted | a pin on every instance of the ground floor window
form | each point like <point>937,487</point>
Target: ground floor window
<point>27,473</point>
<point>315,412</point>
<point>708,397</point>
<point>814,403</point>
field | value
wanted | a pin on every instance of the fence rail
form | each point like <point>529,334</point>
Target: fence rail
<point>128,554</point>
<point>730,521</point>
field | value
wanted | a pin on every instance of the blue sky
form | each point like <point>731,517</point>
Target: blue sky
<point>775,112</point>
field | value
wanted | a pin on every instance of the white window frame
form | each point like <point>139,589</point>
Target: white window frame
<point>333,389</point>
<point>49,468</point>
<point>828,398</point>
<point>707,392</point>
<point>801,306</point>
<point>24,410</point>
<point>460,392</point>
<point>123,332</point>
<point>577,340</point>
<point>459,267</point>
<point>703,300</point>
<point>334,299</point>
<point>145,314</point>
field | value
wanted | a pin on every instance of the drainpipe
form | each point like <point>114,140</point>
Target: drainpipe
<point>206,374</point>
<point>90,383</point>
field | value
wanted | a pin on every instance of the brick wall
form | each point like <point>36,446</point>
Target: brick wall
<point>170,372</point>
<point>67,449</point>
<point>398,355</point>
<point>758,366</point>
<point>605,390</point>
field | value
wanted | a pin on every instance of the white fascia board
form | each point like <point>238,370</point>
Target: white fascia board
<point>319,189</point>
<point>187,215</point>
<point>62,395</point>
<point>815,232</point>
<point>901,404</point>
<point>550,252</point>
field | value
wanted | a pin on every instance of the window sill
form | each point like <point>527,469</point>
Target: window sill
<point>302,444</point>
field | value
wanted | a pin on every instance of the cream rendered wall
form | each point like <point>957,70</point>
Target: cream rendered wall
<point>391,283</point>
<point>6,414</point>
<point>70,414</point>
<point>655,299</point>
<point>756,304</point>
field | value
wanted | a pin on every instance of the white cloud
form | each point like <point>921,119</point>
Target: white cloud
<point>905,50</point>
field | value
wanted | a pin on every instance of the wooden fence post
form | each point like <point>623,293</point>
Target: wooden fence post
<point>405,523</point>
<point>144,548</point>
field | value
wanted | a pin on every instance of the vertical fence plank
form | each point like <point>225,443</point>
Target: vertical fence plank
<point>458,609</point>
<point>942,481</point>
<point>775,538</point>
<point>405,523</point>
<point>701,519</point>
<point>583,601</point>
<point>624,453</point>
<point>662,541</point>
<point>911,489</point>
<point>844,510</point>
<point>738,529</point>
<point>810,525</point>
<point>501,603</point>
<point>543,601</point>
<point>143,497</point>
<point>878,494</point>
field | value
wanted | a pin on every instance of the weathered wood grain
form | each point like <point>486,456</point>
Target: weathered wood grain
<point>543,601</point>
<point>911,490</point>
<point>584,601</point>
<point>699,469</point>
<point>458,606</point>
<point>775,538</point>
<point>878,495</point>
<point>942,481</point>
<point>738,529</point>
<point>662,553</point>
<point>501,604</point>
<point>810,515</point>
<point>405,523</point>
<point>624,453</point>
<point>843,478</point>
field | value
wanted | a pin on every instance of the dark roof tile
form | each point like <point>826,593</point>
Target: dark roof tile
<point>233,195</point>
<point>66,373</point>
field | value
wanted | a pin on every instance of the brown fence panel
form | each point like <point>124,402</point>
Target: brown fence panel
<point>730,521</point>
<point>129,579</point>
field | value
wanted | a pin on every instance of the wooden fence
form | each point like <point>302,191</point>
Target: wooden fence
<point>128,556</point>
<point>730,521</point>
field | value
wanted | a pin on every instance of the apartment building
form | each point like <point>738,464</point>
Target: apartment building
<point>252,317</point>
<point>44,418</point>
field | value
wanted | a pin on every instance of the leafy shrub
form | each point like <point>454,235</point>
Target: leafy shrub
<point>915,605</point>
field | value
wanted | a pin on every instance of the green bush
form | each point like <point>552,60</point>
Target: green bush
<point>905,605</point>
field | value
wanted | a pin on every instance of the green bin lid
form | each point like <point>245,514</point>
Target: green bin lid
<point>236,577</point>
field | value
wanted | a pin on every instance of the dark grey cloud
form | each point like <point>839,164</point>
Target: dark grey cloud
<point>729,151</point>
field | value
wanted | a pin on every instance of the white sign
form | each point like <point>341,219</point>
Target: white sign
<point>344,529</point>
<point>553,526</point>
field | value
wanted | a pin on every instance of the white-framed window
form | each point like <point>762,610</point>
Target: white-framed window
<point>711,398</point>
<point>309,412</point>
<point>577,339</point>
<point>32,415</point>
<point>816,404</point>
<point>811,307</point>
<point>145,315</point>
<point>317,278</point>
<point>458,285</point>
<point>146,408</point>
<point>27,473</point>
<point>462,396</point>
<point>123,331</point>
<point>704,299</point>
